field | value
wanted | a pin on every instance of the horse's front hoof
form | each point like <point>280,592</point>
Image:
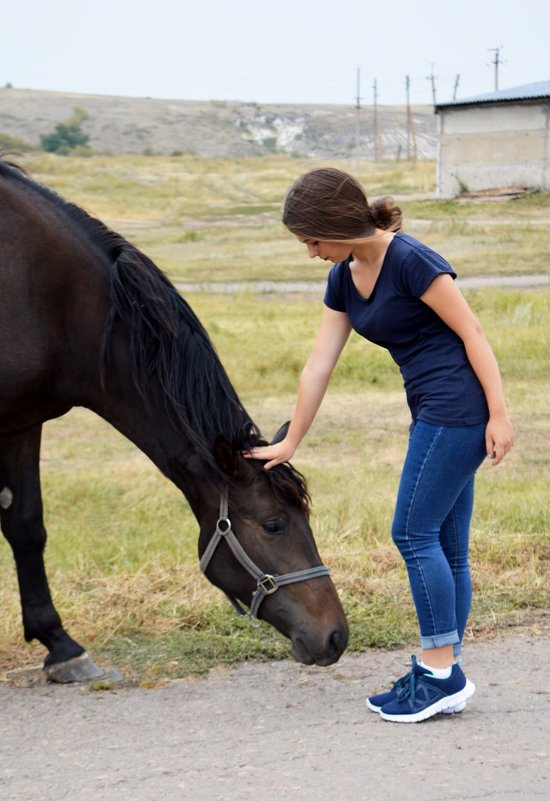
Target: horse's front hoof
<point>79,669</point>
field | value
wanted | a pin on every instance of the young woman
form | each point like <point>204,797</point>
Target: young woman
<point>398,293</point>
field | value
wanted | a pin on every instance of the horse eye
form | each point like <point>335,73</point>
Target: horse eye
<point>274,527</point>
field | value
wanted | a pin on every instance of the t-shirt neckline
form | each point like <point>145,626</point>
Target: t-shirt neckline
<point>361,297</point>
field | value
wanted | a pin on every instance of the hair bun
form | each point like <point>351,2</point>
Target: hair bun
<point>386,214</point>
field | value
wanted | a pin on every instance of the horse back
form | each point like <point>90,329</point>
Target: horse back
<point>55,299</point>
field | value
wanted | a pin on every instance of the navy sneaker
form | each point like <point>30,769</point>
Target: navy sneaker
<point>376,702</point>
<point>419,695</point>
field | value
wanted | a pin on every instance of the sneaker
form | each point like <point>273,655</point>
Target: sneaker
<point>419,695</point>
<point>376,702</point>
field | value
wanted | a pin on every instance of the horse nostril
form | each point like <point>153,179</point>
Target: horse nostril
<point>336,642</point>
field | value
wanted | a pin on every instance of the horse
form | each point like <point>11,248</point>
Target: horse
<point>89,320</point>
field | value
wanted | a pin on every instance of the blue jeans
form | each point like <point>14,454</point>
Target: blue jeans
<point>431,526</point>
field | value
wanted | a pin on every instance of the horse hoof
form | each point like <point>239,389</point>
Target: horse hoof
<point>81,668</point>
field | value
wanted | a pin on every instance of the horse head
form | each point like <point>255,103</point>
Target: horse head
<point>262,552</point>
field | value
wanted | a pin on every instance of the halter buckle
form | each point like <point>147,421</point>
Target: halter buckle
<point>267,584</point>
<point>227,525</point>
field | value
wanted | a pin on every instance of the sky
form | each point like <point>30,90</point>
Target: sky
<point>280,51</point>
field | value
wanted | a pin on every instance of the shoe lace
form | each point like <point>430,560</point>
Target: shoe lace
<point>406,686</point>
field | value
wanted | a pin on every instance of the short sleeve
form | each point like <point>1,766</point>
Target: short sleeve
<point>421,267</point>
<point>334,293</point>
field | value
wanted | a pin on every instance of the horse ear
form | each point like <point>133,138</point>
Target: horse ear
<point>226,457</point>
<point>281,433</point>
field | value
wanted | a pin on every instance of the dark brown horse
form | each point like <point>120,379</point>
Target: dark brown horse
<point>88,320</point>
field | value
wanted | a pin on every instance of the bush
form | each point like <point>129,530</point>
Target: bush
<point>67,136</point>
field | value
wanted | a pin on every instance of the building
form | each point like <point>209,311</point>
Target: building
<point>501,139</point>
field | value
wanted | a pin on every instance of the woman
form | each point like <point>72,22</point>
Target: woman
<point>400,294</point>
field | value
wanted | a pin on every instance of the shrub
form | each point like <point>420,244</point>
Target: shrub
<point>67,136</point>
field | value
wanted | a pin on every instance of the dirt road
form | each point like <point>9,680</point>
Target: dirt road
<point>282,731</point>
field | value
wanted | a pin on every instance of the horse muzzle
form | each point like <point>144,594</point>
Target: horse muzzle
<point>323,653</point>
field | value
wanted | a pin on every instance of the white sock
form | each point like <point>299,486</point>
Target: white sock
<point>438,673</point>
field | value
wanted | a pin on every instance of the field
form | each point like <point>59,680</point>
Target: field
<point>121,554</point>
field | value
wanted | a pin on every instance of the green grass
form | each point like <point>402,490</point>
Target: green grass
<point>122,541</point>
<point>122,551</point>
<point>219,219</point>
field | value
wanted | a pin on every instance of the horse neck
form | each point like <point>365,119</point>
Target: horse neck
<point>151,430</point>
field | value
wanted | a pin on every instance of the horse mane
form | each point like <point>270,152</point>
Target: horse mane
<point>170,349</point>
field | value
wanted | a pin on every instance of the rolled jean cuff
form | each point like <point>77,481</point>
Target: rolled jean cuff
<point>439,640</point>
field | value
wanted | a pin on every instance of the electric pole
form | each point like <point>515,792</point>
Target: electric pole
<point>496,61</point>
<point>432,78</point>
<point>411,133</point>
<point>407,90</point>
<point>457,81</point>
<point>358,117</point>
<point>377,149</point>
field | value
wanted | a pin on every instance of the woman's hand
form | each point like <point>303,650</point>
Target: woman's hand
<point>499,437</point>
<point>274,454</point>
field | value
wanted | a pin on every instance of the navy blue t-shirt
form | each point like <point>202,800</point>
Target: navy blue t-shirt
<point>440,383</point>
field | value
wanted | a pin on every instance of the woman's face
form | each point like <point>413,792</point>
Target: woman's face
<point>326,249</point>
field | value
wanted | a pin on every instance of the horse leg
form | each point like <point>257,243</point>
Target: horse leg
<point>22,524</point>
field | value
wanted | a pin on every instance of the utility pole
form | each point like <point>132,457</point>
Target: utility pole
<point>496,61</point>
<point>411,133</point>
<point>358,118</point>
<point>377,149</point>
<point>432,78</point>
<point>407,90</point>
<point>457,81</point>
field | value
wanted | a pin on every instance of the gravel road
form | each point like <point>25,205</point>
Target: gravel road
<point>283,731</point>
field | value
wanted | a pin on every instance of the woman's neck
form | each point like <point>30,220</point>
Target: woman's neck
<point>369,253</point>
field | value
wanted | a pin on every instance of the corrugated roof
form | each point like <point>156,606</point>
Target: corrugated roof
<point>529,91</point>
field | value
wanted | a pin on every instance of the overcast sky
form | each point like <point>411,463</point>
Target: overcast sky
<point>280,51</point>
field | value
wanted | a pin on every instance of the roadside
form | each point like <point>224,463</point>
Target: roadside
<point>318,287</point>
<point>280,730</point>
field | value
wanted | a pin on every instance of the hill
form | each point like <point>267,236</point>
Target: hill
<point>220,128</point>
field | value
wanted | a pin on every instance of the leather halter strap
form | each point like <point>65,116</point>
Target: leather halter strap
<point>266,583</point>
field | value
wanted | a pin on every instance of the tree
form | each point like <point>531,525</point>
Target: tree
<point>67,135</point>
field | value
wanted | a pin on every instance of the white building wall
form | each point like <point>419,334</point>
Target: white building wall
<point>484,147</point>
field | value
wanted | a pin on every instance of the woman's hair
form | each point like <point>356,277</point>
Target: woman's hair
<point>331,204</point>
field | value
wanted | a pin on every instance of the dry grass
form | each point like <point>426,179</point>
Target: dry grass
<point>122,550</point>
<point>219,220</point>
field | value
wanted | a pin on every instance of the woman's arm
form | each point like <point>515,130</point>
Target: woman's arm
<point>333,334</point>
<point>444,297</point>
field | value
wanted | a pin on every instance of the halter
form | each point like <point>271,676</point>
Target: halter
<point>266,584</point>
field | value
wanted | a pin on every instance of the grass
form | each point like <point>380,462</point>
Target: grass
<point>219,219</point>
<point>122,548</point>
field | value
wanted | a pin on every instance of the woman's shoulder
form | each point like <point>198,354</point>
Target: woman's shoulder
<point>407,244</point>
<point>415,265</point>
<point>412,252</point>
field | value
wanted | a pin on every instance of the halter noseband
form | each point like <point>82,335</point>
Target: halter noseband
<point>266,584</point>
